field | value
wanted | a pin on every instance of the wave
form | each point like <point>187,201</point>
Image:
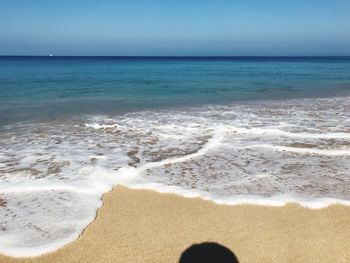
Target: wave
<point>266,153</point>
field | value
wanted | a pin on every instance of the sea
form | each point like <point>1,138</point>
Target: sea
<point>232,130</point>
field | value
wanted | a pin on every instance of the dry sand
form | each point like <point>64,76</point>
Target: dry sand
<point>144,226</point>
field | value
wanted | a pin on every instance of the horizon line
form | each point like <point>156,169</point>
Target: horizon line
<point>182,56</point>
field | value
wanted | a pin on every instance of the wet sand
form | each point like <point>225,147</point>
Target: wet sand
<point>144,226</point>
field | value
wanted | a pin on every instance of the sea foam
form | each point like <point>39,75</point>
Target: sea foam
<point>53,174</point>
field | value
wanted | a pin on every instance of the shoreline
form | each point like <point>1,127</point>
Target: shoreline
<point>146,226</point>
<point>238,200</point>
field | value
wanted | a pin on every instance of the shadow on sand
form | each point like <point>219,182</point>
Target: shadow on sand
<point>208,252</point>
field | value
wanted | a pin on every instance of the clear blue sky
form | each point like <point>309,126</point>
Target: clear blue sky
<point>177,27</point>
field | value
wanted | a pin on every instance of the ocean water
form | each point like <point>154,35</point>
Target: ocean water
<point>232,130</point>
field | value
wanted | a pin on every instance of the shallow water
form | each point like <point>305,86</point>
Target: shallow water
<point>42,88</point>
<point>54,171</point>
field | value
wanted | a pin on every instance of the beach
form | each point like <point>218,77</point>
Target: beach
<point>145,226</point>
<point>133,165</point>
<point>167,131</point>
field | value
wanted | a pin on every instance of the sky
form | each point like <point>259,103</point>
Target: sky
<point>175,27</point>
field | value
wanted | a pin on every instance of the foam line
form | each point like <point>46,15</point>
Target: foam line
<point>277,200</point>
<point>132,178</point>
<point>277,132</point>
<point>299,150</point>
<point>213,142</point>
<point>97,126</point>
<point>126,174</point>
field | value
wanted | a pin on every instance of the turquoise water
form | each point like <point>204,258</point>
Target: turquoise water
<point>46,87</point>
<point>262,131</point>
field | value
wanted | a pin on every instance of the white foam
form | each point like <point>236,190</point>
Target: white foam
<point>57,172</point>
<point>277,132</point>
<point>277,200</point>
<point>98,126</point>
<point>299,150</point>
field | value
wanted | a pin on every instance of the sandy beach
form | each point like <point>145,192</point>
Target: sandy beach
<point>145,226</point>
<point>175,131</point>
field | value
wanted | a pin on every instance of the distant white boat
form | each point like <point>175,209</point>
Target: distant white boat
<point>51,55</point>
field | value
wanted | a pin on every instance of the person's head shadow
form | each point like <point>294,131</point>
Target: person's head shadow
<point>208,252</point>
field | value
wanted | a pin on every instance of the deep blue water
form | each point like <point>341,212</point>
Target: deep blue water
<point>33,88</point>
